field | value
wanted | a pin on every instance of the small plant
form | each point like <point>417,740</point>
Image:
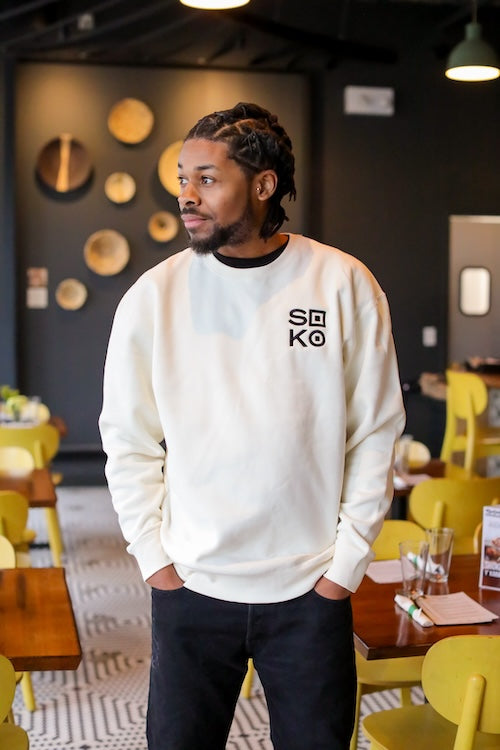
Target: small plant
<point>6,392</point>
<point>15,405</point>
<point>14,402</point>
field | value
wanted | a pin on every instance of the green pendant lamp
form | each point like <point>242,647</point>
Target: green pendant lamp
<point>473,59</point>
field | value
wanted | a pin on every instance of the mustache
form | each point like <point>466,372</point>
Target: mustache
<point>191,212</point>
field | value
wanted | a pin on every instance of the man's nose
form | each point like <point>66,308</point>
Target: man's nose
<point>188,196</point>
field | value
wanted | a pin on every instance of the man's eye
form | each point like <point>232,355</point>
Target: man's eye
<point>182,180</point>
<point>207,180</point>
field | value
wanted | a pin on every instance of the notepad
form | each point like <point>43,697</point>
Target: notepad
<point>454,609</point>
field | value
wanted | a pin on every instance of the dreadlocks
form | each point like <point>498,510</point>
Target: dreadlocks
<point>256,141</point>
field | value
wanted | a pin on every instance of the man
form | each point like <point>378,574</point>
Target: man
<point>264,362</point>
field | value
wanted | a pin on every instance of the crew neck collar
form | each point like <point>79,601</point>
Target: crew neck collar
<point>261,260</point>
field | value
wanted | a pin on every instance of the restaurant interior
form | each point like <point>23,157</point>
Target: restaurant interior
<point>396,164</point>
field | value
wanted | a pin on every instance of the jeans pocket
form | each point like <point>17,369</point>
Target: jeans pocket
<point>322,598</point>
<point>165,592</point>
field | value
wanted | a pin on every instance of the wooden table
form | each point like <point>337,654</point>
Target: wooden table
<point>38,629</point>
<point>382,630</point>
<point>490,379</point>
<point>38,487</point>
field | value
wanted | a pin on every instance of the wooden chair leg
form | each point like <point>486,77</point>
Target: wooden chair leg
<point>55,538</point>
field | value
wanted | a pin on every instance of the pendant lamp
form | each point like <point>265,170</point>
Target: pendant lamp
<point>214,4</point>
<point>473,59</point>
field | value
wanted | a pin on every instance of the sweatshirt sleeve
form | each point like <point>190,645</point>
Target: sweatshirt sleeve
<point>131,430</point>
<point>375,420</point>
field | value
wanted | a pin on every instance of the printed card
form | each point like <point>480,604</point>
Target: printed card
<point>489,573</point>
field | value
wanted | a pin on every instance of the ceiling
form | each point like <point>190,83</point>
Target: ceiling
<point>271,35</point>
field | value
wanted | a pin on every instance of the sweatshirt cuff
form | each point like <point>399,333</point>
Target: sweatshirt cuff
<point>149,553</point>
<point>350,572</point>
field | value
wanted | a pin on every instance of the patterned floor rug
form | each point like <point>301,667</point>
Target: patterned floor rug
<point>102,705</point>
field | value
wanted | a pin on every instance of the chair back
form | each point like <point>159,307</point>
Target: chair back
<point>15,461</point>
<point>386,545</point>
<point>42,441</point>
<point>14,510</point>
<point>461,681</point>
<point>455,503</point>
<point>12,737</point>
<point>7,554</point>
<point>7,687</point>
<point>454,471</point>
<point>469,395</point>
<point>466,399</point>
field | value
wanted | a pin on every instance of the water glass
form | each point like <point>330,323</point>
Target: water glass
<point>413,556</point>
<point>440,542</point>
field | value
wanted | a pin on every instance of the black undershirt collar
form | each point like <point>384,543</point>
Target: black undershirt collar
<point>261,260</point>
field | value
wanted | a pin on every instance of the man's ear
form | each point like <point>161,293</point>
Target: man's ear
<point>265,184</point>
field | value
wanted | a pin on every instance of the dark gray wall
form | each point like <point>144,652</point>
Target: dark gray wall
<point>61,352</point>
<point>8,359</point>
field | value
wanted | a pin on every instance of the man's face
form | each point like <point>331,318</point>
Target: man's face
<point>214,202</point>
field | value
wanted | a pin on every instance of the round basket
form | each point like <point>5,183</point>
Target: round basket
<point>163,226</point>
<point>130,121</point>
<point>119,187</point>
<point>71,294</point>
<point>167,168</point>
<point>106,252</point>
<point>64,164</point>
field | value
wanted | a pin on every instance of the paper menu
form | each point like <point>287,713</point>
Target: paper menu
<point>489,572</point>
<point>454,609</point>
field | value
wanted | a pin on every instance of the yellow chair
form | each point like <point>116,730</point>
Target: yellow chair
<point>8,561</point>
<point>386,674</point>
<point>466,400</point>
<point>42,441</point>
<point>12,737</point>
<point>7,554</point>
<point>15,461</point>
<point>455,503</point>
<point>461,682</point>
<point>14,510</point>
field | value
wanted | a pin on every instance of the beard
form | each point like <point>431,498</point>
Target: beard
<point>230,235</point>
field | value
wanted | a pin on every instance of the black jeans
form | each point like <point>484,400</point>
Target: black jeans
<point>303,652</point>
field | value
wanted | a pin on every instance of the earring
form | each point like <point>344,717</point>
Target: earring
<point>258,189</point>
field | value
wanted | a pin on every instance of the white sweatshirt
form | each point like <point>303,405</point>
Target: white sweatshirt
<point>275,390</point>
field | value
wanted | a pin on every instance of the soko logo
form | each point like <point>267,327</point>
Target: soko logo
<point>308,327</point>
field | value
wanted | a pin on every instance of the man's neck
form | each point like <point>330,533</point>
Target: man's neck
<point>255,248</point>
